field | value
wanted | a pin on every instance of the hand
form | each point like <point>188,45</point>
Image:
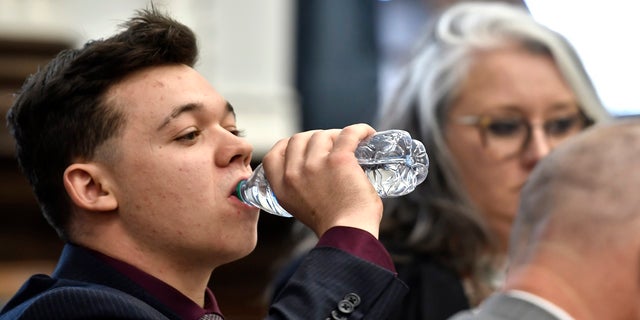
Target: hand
<point>316,177</point>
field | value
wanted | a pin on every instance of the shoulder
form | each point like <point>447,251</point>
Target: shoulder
<point>504,307</point>
<point>71,300</point>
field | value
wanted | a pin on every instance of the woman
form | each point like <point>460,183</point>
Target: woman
<point>489,92</point>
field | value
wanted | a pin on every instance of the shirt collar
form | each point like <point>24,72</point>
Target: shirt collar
<point>541,302</point>
<point>171,297</point>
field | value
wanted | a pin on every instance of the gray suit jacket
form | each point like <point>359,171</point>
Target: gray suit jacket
<point>504,307</point>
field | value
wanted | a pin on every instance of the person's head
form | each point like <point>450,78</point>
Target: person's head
<point>578,222</point>
<point>124,136</point>
<point>490,92</point>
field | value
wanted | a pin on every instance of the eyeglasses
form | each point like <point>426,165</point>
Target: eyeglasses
<point>507,136</point>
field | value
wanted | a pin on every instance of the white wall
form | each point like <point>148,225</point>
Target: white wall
<point>604,33</point>
<point>246,48</point>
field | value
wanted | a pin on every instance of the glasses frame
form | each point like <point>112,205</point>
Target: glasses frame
<point>483,121</point>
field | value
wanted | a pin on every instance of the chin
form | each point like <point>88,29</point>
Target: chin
<point>245,251</point>
<point>248,251</point>
<point>250,243</point>
<point>232,254</point>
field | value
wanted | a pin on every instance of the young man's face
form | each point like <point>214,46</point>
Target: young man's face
<point>176,166</point>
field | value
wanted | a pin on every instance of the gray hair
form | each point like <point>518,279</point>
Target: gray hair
<point>570,197</point>
<point>438,217</point>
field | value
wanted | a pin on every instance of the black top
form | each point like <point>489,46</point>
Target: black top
<point>435,292</point>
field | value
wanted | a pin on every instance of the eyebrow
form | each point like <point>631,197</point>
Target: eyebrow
<point>230,109</point>
<point>189,107</point>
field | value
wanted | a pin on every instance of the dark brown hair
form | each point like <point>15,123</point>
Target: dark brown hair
<point>60,114</point>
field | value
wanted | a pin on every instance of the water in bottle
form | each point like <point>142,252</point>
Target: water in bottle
<point>393,161</point>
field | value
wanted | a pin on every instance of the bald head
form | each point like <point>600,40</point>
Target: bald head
<point>584,195</point>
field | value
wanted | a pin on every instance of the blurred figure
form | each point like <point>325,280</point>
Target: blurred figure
<point>575,247</point>
<point>490,92</point>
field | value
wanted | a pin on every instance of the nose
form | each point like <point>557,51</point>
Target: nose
<point>537,147</point>
<point>234,149</point>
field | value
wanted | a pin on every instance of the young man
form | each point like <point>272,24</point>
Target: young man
<point>134,159</point>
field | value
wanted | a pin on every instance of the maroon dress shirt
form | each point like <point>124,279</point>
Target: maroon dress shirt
<point>355,241</point>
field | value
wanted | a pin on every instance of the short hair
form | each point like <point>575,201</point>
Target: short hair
<point>439,217</point>
<point>581,197</point>
<point>60,114</point>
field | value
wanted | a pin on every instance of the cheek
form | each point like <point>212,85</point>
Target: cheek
<point>469,156</point>
<point>485,178</point>
<point>189,183</point>
<point>161,180</point>
<point>478,173</point>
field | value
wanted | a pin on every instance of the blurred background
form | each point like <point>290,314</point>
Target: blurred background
<point>286,66</point>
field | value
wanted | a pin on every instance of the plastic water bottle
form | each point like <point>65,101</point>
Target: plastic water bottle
<point>393,161</point>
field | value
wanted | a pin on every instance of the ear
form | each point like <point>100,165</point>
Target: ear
<point>89,188</point>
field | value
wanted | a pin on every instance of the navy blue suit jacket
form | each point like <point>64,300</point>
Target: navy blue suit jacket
<point>84,287</point>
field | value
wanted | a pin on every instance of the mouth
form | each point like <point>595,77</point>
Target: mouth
<point>235,194</point>
<point>236,187</point>
<point>234,191</point>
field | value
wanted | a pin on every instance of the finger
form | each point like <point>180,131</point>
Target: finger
<point>350,136</point>
<point>320,145</point>
<point>274,159</point>
<point>295,152</point>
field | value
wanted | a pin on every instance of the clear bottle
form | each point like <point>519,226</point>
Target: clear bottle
<point>393,161</point>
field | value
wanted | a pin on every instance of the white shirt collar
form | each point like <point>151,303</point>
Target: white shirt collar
<point>542,303</point>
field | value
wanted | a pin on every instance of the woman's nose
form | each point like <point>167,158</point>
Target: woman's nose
<point>537,147</point>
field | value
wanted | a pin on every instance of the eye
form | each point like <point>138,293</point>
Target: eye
<point>189,136</point>
<point>505,127</point>
<point>236,132</point>
<point>562,126</point>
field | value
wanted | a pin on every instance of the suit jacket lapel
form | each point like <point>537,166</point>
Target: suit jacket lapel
<point>79,264</point>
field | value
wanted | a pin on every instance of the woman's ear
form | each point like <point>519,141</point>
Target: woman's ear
<point>89,188</point>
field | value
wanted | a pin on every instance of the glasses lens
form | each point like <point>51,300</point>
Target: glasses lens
<point>504,136</point>
<point>564,126</point>
<point>505,128</point>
